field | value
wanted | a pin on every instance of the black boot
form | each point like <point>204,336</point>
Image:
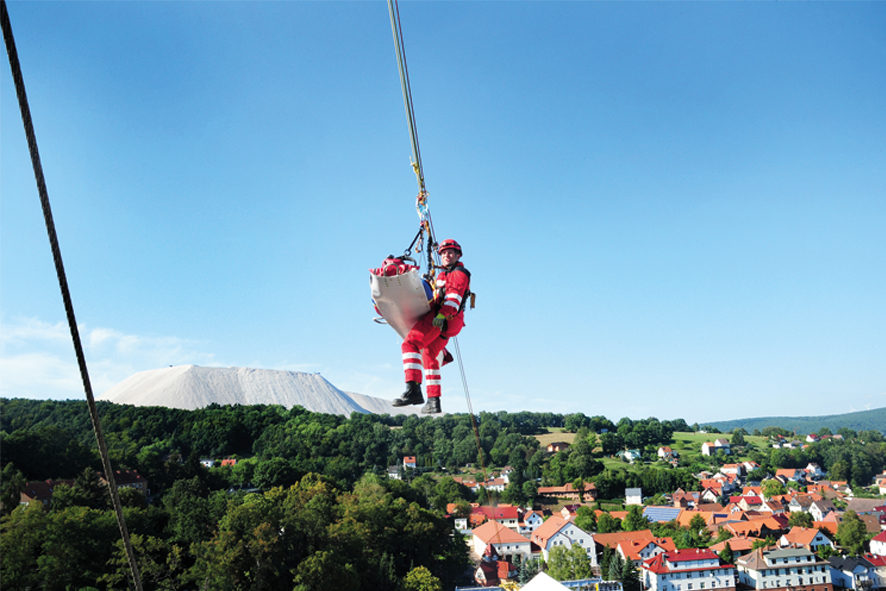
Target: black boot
<point>432,407</point>
<point>412,395</point>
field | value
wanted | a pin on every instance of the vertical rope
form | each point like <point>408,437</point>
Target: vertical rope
<point>394,12</point>
<point>63,283</point>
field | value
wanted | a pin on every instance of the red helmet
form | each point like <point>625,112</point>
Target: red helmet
<point>448,244</point>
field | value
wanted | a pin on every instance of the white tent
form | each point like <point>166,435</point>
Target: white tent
<point>543,582</point>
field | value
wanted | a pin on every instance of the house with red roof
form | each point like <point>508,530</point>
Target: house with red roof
<point>805,537</point>
<point>877,570</point>
<point>750,503</point>
<point>696,566</point>
<point>41,490</point>
<point>638,551</point>
<point>739,546</point>
<point>507,543</point>
<point>507,515</point>
<point>790,475</point>
<point>129,479</point>
<point>784,569</point>
<point>709,448</point>
<point>612,540</point>
<point>878,544</point>
<point>568,492</point>
<point>492,572</point>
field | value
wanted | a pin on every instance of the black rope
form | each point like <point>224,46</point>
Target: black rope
<point>63,283</point>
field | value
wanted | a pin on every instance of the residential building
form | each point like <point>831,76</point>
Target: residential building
<point>784,569</point>
<point>614,539</point>
<point>129,479</point>
<point>507,515</point>
<point>41,490</point>
<point>568,492</point>
<point>492,572</point>
<point>666,453</point>
<point>806,537</point>
<point>507,542</point>
<point>878,544</point>
<point>877,570</point>
<point>739,546</point>
<point>409,462</point>
<point>791,475</point>
<point>820,509</point>
<point>814,471</point>
<point>557,531</point>
<point>684,570</point>
<point>852,572</point>
<point>709,448</point>
<point>529,521</point>
<point>639,551</point>
<point>633,496</point>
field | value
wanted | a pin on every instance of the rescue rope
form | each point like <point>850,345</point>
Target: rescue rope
<point>63,284</point>
<point>424,214</point>
<point>394,11</point>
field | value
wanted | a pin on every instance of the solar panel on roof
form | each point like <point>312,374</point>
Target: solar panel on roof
<point>661,514</point>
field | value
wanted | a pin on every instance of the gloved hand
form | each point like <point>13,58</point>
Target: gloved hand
<point>439,321</point>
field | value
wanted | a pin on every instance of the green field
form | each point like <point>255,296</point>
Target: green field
<point>686,443</point>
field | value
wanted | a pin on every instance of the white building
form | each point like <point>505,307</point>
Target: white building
<point>557,531</point>
<point>784,568</point>
<point>682,570</point>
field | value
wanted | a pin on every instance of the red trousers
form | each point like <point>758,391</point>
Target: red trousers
<point>423,350</point>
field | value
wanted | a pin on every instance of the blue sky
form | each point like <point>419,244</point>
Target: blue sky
<point>669,209</point>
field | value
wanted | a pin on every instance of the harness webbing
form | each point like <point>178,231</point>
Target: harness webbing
<point>63,284</point>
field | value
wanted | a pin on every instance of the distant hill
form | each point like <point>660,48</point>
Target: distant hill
<point>866,420</point>
<point>191,387</point>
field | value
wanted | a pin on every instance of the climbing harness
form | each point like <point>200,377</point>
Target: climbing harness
<point>63,285</point>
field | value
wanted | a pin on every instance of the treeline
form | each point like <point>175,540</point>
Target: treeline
<point>864,420</point>
<point>311,536</point>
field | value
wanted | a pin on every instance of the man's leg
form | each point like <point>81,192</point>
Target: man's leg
<point>430,357</point>
<point>423,331</point>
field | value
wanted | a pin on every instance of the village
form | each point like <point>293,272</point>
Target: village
<point>782,533</point>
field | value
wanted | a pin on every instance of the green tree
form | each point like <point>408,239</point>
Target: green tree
<point>800,519</point>
<point>773,487</point>
<point>12,484</point>
<point>852,533</point>
<point>22,535</point>
<point>528,569</point>
<point>161,565</point>
<point>421,579</point>
<point>581,563</point>
<point>559,563</point>
<point>77,546</point>
<point>630,578</point>
<point>607,524</point>
<point>324,570</point>
<point>616,567</point>
<point>634,520</point>
<point>586,519</point>
<point>726,555</point>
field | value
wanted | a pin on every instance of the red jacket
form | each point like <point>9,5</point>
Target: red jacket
<point>453,288</point>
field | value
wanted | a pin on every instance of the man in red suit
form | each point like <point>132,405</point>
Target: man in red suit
<point>424,344</point>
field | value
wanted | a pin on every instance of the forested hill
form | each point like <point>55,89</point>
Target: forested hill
<point>866,420</point>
